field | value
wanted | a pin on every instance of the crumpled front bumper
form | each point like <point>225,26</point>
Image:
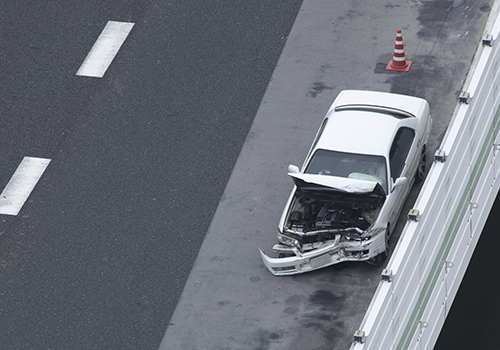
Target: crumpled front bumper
<point>330,254</point>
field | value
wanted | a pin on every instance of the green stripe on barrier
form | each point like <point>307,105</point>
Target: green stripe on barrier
<point>430,283</point>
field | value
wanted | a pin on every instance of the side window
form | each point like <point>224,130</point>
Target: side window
<point>399,151</point>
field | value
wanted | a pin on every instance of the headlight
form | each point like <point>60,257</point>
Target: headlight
<point>288,240</point>
<point>351,236</point>
<point>374,232</point>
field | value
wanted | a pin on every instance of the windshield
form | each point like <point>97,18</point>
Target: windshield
<point>349,165</point>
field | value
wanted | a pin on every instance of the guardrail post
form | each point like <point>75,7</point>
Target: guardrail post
<point>359,336</point>
<point>488,40</point>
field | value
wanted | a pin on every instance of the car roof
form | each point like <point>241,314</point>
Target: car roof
<point>359,132</point>
<point>365,122</point>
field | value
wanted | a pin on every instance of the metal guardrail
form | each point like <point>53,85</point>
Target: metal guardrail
<point>422,278</point>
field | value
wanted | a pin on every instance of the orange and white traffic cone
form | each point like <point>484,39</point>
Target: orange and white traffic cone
<point>399,62</point>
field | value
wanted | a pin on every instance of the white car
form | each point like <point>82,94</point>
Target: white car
<point>347,197</point>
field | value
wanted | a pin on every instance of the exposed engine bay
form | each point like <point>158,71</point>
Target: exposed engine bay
<point>319,216</point>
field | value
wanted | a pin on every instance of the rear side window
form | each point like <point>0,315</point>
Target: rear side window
<point>399,151</point>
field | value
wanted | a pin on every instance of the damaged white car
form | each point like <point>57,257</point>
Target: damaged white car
<point>347,197</point>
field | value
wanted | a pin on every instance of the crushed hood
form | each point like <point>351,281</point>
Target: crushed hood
<point>337,183</point>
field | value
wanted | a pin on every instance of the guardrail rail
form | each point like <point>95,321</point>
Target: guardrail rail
<point>422,278</point>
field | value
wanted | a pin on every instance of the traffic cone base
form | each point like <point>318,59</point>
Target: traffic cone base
<point>392,65</point>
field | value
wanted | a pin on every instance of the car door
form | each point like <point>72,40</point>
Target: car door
<point>403,152</point>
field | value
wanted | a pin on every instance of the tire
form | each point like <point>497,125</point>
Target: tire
<point>422,165</point>
<point>379,259</point>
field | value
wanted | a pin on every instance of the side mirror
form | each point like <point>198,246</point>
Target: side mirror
<point>401,181</point>
<point>293,169</point>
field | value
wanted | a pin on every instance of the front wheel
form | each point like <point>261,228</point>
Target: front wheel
<point>379,259</point>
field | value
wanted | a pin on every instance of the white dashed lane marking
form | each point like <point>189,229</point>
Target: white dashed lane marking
<point>105,49</point>
<point>21,184</point>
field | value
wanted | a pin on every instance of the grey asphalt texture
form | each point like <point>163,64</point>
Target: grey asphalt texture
<point>100,252</point>
<point>99,256</point>
<point>230,300</point>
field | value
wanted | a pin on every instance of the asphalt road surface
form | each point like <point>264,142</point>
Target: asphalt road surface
<point>230,300</point>
<point>99,254</point>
